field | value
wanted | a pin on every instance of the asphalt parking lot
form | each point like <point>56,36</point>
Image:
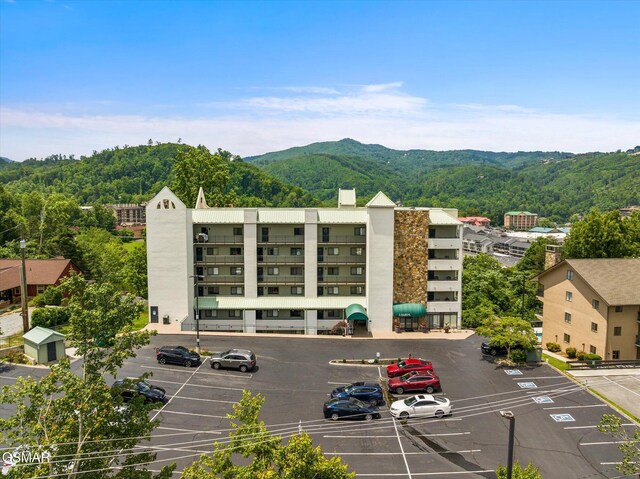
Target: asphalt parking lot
<point>555,418</point>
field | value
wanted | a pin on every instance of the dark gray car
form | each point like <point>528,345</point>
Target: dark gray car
<point>241,359</point>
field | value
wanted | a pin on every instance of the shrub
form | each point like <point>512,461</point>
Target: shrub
<point>571,352</point>
<point>49,317</point>
<point>16,356</point>
<point>38,301</point>
<point>519,356</point>
<point>52,296</point>
<point>592,357</point>
<point>554,347</point>
<point>580,355</point>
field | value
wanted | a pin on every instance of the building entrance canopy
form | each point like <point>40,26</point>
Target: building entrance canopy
<point>355,312</point>
<point>414,310</point>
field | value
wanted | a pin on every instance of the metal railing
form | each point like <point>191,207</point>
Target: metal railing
<point>219,240</point>
<point>337,259</point>
<point>326,279</point>
<point>281,239</point>
<point>221,259</point>
<point>337,239</point>
<point>605,364</point>
<point>281,259</point>
<point>221,279</point>
<point>278,279</point>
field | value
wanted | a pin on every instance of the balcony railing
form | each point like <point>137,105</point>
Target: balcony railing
<point>281,259</point>
<point>218,240</point>
<point>278,279</point>
<point>222,279</point>
<point>325,280</point>
<point>336,239</point>
<point>281,239</point>
<point>221,259</point>
<point>337,259</point>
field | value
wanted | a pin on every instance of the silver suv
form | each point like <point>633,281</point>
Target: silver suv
<point>241,359</point>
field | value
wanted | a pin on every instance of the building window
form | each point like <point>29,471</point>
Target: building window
<point>333,271</point>
<point>359,231</point>
<point>570,275</point>
<point>213,290</point>
<point>357,270</point>
<point>569,296</point>
<point>333,251</point>
<point>272,313</point>
<point>272,251</point>
<point>235,313</point>
<point>235,251</point>
<point>320,291</point>
<point>617,330</point>
<point>567,338</point>
<point>296,271</point>
<point>357,251</point>
<point>273,271</point>
<point>595,303</point>
<point>296,251</point>
<point>541,290</point>
<point>615,354</point>
<point>236,271</point>
<point>567,318</point>
<point>237,231</point>
<point>273,290</point>
<point>295,313</point>
<point>210,313</point>
<point>357,290</point>
<point>213,271</point>
<point>212,251</point>
<point>594,327</point>
<point>618,309</point>
<point>333,290</point>
<point>296,290</point>
<point>592,349</point>
<point>298,231</point>
<point>40,288</point>
<point>237,290</point>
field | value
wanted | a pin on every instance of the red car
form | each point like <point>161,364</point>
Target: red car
<point>408,365</point>
<point>414,381</point>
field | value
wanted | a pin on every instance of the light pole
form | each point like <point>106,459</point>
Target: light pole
<point>197,312</point>
<point>24,294</point>
<point>512,429</point>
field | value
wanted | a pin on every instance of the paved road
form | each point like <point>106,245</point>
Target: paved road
<point>11,323</point>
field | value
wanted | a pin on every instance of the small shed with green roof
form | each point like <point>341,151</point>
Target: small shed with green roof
<point>44,345</point>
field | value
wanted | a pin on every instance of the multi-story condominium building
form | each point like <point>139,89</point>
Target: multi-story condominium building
<point>475,220</point>
<point>129,214</point>
<point>303,270</point>
<point>520,220</point>
<point>593,305</point>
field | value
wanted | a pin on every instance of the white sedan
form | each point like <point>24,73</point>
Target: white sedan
<point>422,405</point>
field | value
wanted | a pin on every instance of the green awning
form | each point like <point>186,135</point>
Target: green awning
<point>355,312</point>
<point>415,310</point>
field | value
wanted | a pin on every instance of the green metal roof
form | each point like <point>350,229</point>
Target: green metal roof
<point>356,312</point>
<point>40,335</point>
<point>514,213</point>
<point>409,309</point>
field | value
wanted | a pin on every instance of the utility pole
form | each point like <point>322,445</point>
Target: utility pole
<point>512,427</point>
<point>197,315</point>
<point>23,288</point>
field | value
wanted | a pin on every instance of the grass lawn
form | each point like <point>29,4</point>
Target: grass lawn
<point>556,363</point>
<point>142,321</point>
<point>11,341</point>
<point>131,245</point>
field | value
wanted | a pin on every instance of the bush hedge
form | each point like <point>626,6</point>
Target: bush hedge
<point>592,357</point>
<point>571,352</point>
<point>49,317</point>
<point>519,356</point>
<point>580,355</point>
<point>554,347</point>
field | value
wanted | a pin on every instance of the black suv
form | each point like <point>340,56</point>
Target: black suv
<point>177,355</point>
<point>150,392</point>
<point>493,350</point>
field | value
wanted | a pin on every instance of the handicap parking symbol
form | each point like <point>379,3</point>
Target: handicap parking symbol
<point>542,399</point>
<point>527,385</point>
<point>562,417</point>
<point>513,372</point>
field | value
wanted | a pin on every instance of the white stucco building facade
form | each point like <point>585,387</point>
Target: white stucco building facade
<point>303,270</point>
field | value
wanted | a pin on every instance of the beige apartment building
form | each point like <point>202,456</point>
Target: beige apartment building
<point>593,305</point>
<point>520,220</point>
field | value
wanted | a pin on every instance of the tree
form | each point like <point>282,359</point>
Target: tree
<point>197,167</point>
<point>103,256</point>
<point>269,457</point>
<point>135,271</point>
<point>530,472</point>
<point>509,332</point>
<point>630,445</point>
<point>533,260</point>
<point>75,418</point>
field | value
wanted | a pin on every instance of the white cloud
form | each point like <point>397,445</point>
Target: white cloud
<point>492,108</point>
<point>382,87</point>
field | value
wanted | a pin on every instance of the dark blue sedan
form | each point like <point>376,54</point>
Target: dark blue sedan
<point>369,393</point>
<point>349,409</point>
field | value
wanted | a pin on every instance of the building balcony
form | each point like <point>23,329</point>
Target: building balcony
<point>336,239</point>
<point>443,307</point>
<point>329,280</point>
<point>438,264</point>
<point>280,259</point>
<point>281,239</point>
<point>284,325</point>
<point>433,285</point>
<point>214,240</point>
<point>336,259</point>
<point>222,279</point>
<point>445,243</point>
<point>278,279</point>
<point>221,324</point>
<point>221,259</point>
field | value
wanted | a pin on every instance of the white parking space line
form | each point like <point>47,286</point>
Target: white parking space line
<point>600,443</point>
<point>395,425</point>
<point>576,407</point>
<point>194,431</point>
<point>594,427</point>
<point>393,435</point>
<point>422,474</point>
<point>421,453</point>
<point>231,375</point>
<point>621,386</point>
<point>196,385</point>
<point>194,414</point>
<point>207,400</point>
<point>543,377</point>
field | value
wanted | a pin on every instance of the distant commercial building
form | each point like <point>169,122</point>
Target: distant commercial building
<point>520,220</point>
<point>303,270</point>
<point>129,214</point>
<point>592,305</point>
<point>475,221</point>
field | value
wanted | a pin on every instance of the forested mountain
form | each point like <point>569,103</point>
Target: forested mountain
<point>5,160</point>
<point>552,184</point>
<point>136,173</point>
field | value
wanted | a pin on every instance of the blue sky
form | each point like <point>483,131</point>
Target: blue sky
<point>253,77</point>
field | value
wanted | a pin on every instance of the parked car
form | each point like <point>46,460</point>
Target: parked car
<point>422,405</point>
<point>414,381</point>
<point>241,359</point>
<point>494,350</point>
<point>177,355</point>
<point>407,365</point>
<point>351,408</point>
<point>369,393</point>
<point>150,392</point>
